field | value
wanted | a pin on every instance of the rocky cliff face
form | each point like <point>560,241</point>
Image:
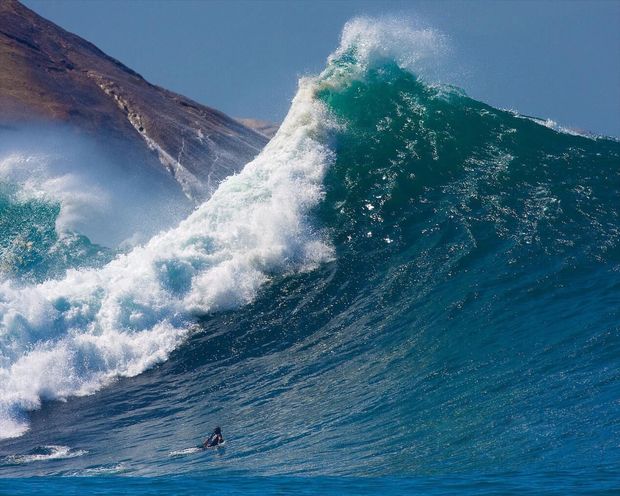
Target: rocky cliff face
<point>49,74</point>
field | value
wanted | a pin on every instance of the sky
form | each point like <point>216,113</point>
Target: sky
<point>551,59</point>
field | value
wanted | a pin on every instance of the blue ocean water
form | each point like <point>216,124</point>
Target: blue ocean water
<point>407,291</point>
<point>506,483</point>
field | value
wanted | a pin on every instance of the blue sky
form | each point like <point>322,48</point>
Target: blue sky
<point>546,58</point>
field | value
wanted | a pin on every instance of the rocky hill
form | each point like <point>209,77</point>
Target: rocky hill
<point>51,75</point>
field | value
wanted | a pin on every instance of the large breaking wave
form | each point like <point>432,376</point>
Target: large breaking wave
<point>400,259</point>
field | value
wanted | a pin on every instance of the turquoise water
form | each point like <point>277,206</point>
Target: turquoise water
<point>30,247</point>
<point>462,337</point>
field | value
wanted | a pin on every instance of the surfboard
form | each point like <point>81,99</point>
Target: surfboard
<point>194,450</point>
<point>216,446</point>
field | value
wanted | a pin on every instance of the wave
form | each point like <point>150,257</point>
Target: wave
<point>404,281</point>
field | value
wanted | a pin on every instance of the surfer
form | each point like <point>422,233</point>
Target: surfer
<point>214,439</point>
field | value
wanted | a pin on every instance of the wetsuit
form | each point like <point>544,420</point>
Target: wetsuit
<point>213,440</point>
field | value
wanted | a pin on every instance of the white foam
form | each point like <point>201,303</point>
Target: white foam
<point>373,41</point>
<point>551,124</point>
<point>72,336</point>
<point>46,453</point>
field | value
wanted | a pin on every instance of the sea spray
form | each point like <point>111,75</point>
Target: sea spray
<point>106,195</point>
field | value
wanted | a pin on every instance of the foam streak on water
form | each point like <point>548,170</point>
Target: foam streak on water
<point>45,453</point>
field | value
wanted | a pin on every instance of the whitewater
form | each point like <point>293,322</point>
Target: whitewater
<point>72,336</point>
<point>405,283</point>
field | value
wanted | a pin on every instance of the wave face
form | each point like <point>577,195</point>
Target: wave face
<point>405,282</point>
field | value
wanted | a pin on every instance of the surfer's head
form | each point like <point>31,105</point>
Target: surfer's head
<point>217,430</point>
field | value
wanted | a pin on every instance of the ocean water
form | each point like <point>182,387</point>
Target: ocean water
<point>407,291</point>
